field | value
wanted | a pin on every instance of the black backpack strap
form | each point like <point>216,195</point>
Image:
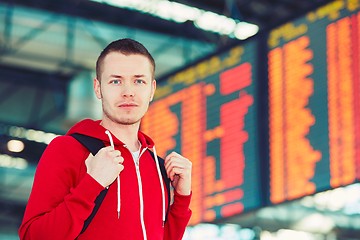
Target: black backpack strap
<point>93,145</point>
<point>165,177</point>
<point>99,199</point>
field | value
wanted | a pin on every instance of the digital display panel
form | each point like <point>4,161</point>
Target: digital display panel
<point>207,112</point>
<point>314,83</point>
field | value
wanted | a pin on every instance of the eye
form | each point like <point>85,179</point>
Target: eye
<point>115,81</point>
<point>139,81</point>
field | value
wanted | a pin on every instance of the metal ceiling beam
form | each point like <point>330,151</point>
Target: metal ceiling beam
<point>8,24</point>
<point>109,14</point>
<point>10,46</point>
<point>18,38</point>
<point>94,33</point>
<point>31,35</point>
<point>70,39</point>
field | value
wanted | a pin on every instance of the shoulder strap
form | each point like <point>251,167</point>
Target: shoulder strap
<point>165,177</point>
<point>93,145</point>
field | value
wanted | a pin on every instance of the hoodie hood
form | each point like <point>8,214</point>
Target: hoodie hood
<point>93,129</point>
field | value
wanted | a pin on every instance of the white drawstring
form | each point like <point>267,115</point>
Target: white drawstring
<point>118,178</point>
<point>161,184</point>
<point>159,175</point>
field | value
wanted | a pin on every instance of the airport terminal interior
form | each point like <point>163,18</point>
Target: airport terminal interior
<point>279,146</point>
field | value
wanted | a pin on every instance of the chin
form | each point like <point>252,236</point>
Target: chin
<point>127,121</point>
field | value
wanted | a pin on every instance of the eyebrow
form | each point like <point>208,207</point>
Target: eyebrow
<point>119,76</point>
<point>139,75</point>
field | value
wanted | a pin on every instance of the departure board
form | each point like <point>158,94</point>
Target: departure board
<point>207,112</point>
<point>314,83</point>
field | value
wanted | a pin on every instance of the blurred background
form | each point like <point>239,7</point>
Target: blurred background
<point>261,95</point>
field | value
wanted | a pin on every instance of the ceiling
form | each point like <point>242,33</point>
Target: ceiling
<point>49,45</point>
<point>48,50</point>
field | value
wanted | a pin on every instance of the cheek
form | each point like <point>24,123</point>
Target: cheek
<point>148,95</point>
<point>109,94</point>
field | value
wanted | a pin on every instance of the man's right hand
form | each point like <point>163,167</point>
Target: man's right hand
<point>105,166</point>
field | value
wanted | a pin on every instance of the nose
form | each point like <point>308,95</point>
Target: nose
<point>128,91</point>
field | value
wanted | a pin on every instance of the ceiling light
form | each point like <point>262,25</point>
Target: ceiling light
<point>243,30</point>
<point>15,146</point>
<point>7,161</point>
<point>31,134</point>
<point>213,22</point>
<point>177,12</point>
<point>316,222</point>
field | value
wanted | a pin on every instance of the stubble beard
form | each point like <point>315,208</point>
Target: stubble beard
<point>117,120</point>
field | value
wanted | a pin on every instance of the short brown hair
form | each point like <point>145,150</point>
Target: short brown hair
<point>125,46</point>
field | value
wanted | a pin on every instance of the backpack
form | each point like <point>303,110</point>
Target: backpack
<point>94,145</point>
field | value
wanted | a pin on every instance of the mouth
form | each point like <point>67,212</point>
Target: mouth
<point>127,105</point>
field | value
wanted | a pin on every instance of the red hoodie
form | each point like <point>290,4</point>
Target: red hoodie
<point>63,195</point>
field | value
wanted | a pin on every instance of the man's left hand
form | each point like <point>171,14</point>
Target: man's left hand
<point>178,169</point>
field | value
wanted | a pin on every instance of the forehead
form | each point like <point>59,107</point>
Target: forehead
<point>131,64</point>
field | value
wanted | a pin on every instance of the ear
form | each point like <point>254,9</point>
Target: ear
<point>153,88</point>
<point>97,88</point>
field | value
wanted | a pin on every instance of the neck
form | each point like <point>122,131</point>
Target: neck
<point>128,134</point>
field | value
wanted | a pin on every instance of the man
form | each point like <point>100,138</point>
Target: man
<point>68,179</point>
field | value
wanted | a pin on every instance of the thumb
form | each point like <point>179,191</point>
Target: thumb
<point>88,160</point>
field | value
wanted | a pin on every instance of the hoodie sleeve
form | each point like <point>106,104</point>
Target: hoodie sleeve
<point>178,217</point>
<point>59,202</point>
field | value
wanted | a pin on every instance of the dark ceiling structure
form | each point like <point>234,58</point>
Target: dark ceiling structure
<point>47,45</point>
<point>264,13</point>
<point>59,40</point>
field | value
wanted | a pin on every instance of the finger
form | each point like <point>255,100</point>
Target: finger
<point>170,161</point>
<point>115,153</point>
<point>175,162</point>
<point>171,155</point>
<point>121,167</point>
<point>175,157</point>
<point>90,156</point>
<point>106,149</point>
<point>171,174</point>
<point>175,171</point>
<point>169,167</point>
<point>119,160</point>
<point>168,172</point>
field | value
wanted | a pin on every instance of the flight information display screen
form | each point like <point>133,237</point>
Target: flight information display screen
<point>314,102</point>
<point>208,113</point>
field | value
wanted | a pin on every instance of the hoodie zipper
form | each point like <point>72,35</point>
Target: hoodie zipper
<point>138,176</point>
<point>137,167</point>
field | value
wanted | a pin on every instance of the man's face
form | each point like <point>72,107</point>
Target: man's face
<point>126,87</point>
